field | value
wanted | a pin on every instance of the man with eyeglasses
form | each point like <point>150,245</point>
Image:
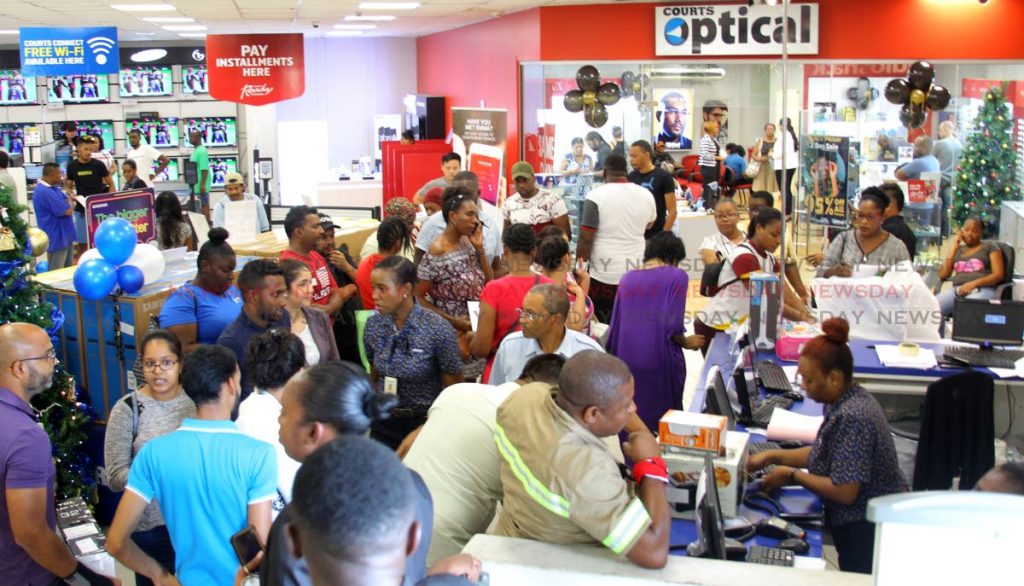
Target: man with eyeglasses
<point>30,550</point>
<point>675,111</point>
<point>542,318</point>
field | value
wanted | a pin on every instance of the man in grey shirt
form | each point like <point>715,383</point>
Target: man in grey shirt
<point>451,164</point>
<point>947,151</point>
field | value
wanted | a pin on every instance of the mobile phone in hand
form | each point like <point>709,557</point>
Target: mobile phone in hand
<point>247,545</point>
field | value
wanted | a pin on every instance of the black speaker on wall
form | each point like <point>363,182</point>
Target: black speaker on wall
<point>425,117</point>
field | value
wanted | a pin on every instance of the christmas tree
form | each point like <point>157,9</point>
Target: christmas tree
<point>986,174</point>
<point>63,416</point>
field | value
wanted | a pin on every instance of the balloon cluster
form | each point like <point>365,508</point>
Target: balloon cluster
<point>635,85</point>
<point>592,96</point>
<point>917,94</point>
<point>117,260</point>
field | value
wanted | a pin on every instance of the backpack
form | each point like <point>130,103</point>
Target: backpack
<point>709,286</point>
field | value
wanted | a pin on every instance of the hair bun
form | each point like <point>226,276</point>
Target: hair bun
<point>837,330</point>
<point>217,236</point>
<point>378,406</point>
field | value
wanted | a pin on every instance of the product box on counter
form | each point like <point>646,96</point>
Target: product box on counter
<point>730,475</point>
<point>686,431</point>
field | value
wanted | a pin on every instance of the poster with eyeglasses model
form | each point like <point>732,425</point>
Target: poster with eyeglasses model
<point>824,177</point>
<point>718,111</point>
<point>672,123</point>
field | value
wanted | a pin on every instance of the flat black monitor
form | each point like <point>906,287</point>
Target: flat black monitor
<point>980,321</point>
<point>710,524</point>
<point>716,400</point>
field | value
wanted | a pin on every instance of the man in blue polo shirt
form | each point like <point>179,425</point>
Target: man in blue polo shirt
<point>31,553</point>
<point>924,161</point>
<point>210,480</point>
<point>54,209</point>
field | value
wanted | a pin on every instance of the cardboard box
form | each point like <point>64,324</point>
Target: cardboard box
<point>764,309</point>
<point>730,474</point>
<point>693,431</point>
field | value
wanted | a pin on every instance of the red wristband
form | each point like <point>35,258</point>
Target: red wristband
<point>652,467</point>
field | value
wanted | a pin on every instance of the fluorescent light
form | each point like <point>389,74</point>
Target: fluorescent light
<point>143,7</point>
<point>147,55</point>
<point>389,5</point>
<point>343,33</point>
<point>9,32</point>
<point>192,35</point>
<point>185,27</point>
<point>355,27</point>
<point>168,19</point>
<point>370,18</point>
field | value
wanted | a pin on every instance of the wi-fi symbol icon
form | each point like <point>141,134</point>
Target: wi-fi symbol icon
<point>100,47</point>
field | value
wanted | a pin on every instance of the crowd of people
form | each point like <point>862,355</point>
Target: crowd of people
<point>481,371</point>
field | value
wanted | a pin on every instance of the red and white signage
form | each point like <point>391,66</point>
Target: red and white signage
<point>256,69</point>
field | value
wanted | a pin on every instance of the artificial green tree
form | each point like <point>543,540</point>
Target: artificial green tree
<point>986,175</point>
<point>63,416</point>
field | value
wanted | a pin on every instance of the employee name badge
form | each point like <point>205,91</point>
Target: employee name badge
<point>391,385</point>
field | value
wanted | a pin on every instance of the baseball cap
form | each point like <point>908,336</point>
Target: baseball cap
<point>327,222</point>
<point>433,196</point>
<point>522,169</point>
<point>233,178</point>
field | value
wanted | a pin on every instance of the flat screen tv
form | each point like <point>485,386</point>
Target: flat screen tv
<point>16,90</point>
<point>219,169</point>
<point>78,89</point>
<point>170,173</point>
<point>12,138</point>
<point>146,81</point>
<point>162,133</point>
<point>101,128</point>
<point>194,80</point>
<point>216,131</point>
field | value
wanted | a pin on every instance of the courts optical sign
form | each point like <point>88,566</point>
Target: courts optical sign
<point>48,51</point>
<point>256,69</point>
<point>734,29</point>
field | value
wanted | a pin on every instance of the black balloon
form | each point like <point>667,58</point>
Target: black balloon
<point>938,98</point>
<point>588,78</point>
<point>912,117</point>
<point>608,94</point>
<point>897,91</point>
<point>573,101</point>
<point>921,75</point>
<point>597,116</point>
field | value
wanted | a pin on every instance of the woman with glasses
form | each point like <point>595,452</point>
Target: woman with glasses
<point>721,244</point>
<point>413,351</point>
<point>271,358</point>
<point>311,325</point>
<point>156,409</point>
<point>867,243</point>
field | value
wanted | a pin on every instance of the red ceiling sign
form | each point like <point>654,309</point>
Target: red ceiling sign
<point>256,69</point>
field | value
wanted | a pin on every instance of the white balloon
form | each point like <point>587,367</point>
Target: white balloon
<point>149,260</point>
<point>89,254</point>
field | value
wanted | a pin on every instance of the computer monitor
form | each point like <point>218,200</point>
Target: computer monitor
<point>710,524</point>
<point>978,321</point>
<point>716,400</point>
<point>33,172</point>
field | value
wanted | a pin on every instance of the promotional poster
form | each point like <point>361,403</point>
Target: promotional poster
<point>256,69</point>
<point>136,206</point>
<point>824,178</point>
<point>672,123</point>
<point>480,136</point>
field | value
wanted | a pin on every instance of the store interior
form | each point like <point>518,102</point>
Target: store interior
<point>368,79</point>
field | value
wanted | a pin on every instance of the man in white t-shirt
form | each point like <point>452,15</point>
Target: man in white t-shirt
<point>145,156</point>
<point>614,218</point>
<point>532,205</point>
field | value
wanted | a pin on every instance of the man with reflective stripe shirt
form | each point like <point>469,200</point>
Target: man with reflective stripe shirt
<point>562,484</point>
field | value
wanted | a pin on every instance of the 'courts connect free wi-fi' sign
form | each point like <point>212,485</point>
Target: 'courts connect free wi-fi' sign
<point>49,51</point>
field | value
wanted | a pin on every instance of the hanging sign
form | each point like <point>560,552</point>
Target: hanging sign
<point>136,206</point>
<point>256,69</point>
<point>734,29</point>
<point>824,175</point>
<point>49,52</point>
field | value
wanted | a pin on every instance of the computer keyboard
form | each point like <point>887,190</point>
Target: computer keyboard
<point>773,378</point>
<point>763,412</point>
<point>770,556</point>
<point>758,447</point>
<point>977,357</point>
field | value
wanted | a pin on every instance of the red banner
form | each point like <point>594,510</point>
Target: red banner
<point>256,69</point>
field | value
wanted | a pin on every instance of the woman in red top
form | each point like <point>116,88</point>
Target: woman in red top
<point>502,297</point>
<point>393,236</point>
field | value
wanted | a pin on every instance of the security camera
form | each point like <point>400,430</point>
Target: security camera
<point>316,25</point>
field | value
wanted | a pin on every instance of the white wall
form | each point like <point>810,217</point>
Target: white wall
<point>347,82</point>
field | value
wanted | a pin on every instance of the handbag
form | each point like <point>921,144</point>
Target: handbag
<point>753,168</point>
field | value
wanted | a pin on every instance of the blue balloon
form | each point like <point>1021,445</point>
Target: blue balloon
<point>42,266</point>
<point>115,240</point>
<point>130,278</point>
<point>95,279</point>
